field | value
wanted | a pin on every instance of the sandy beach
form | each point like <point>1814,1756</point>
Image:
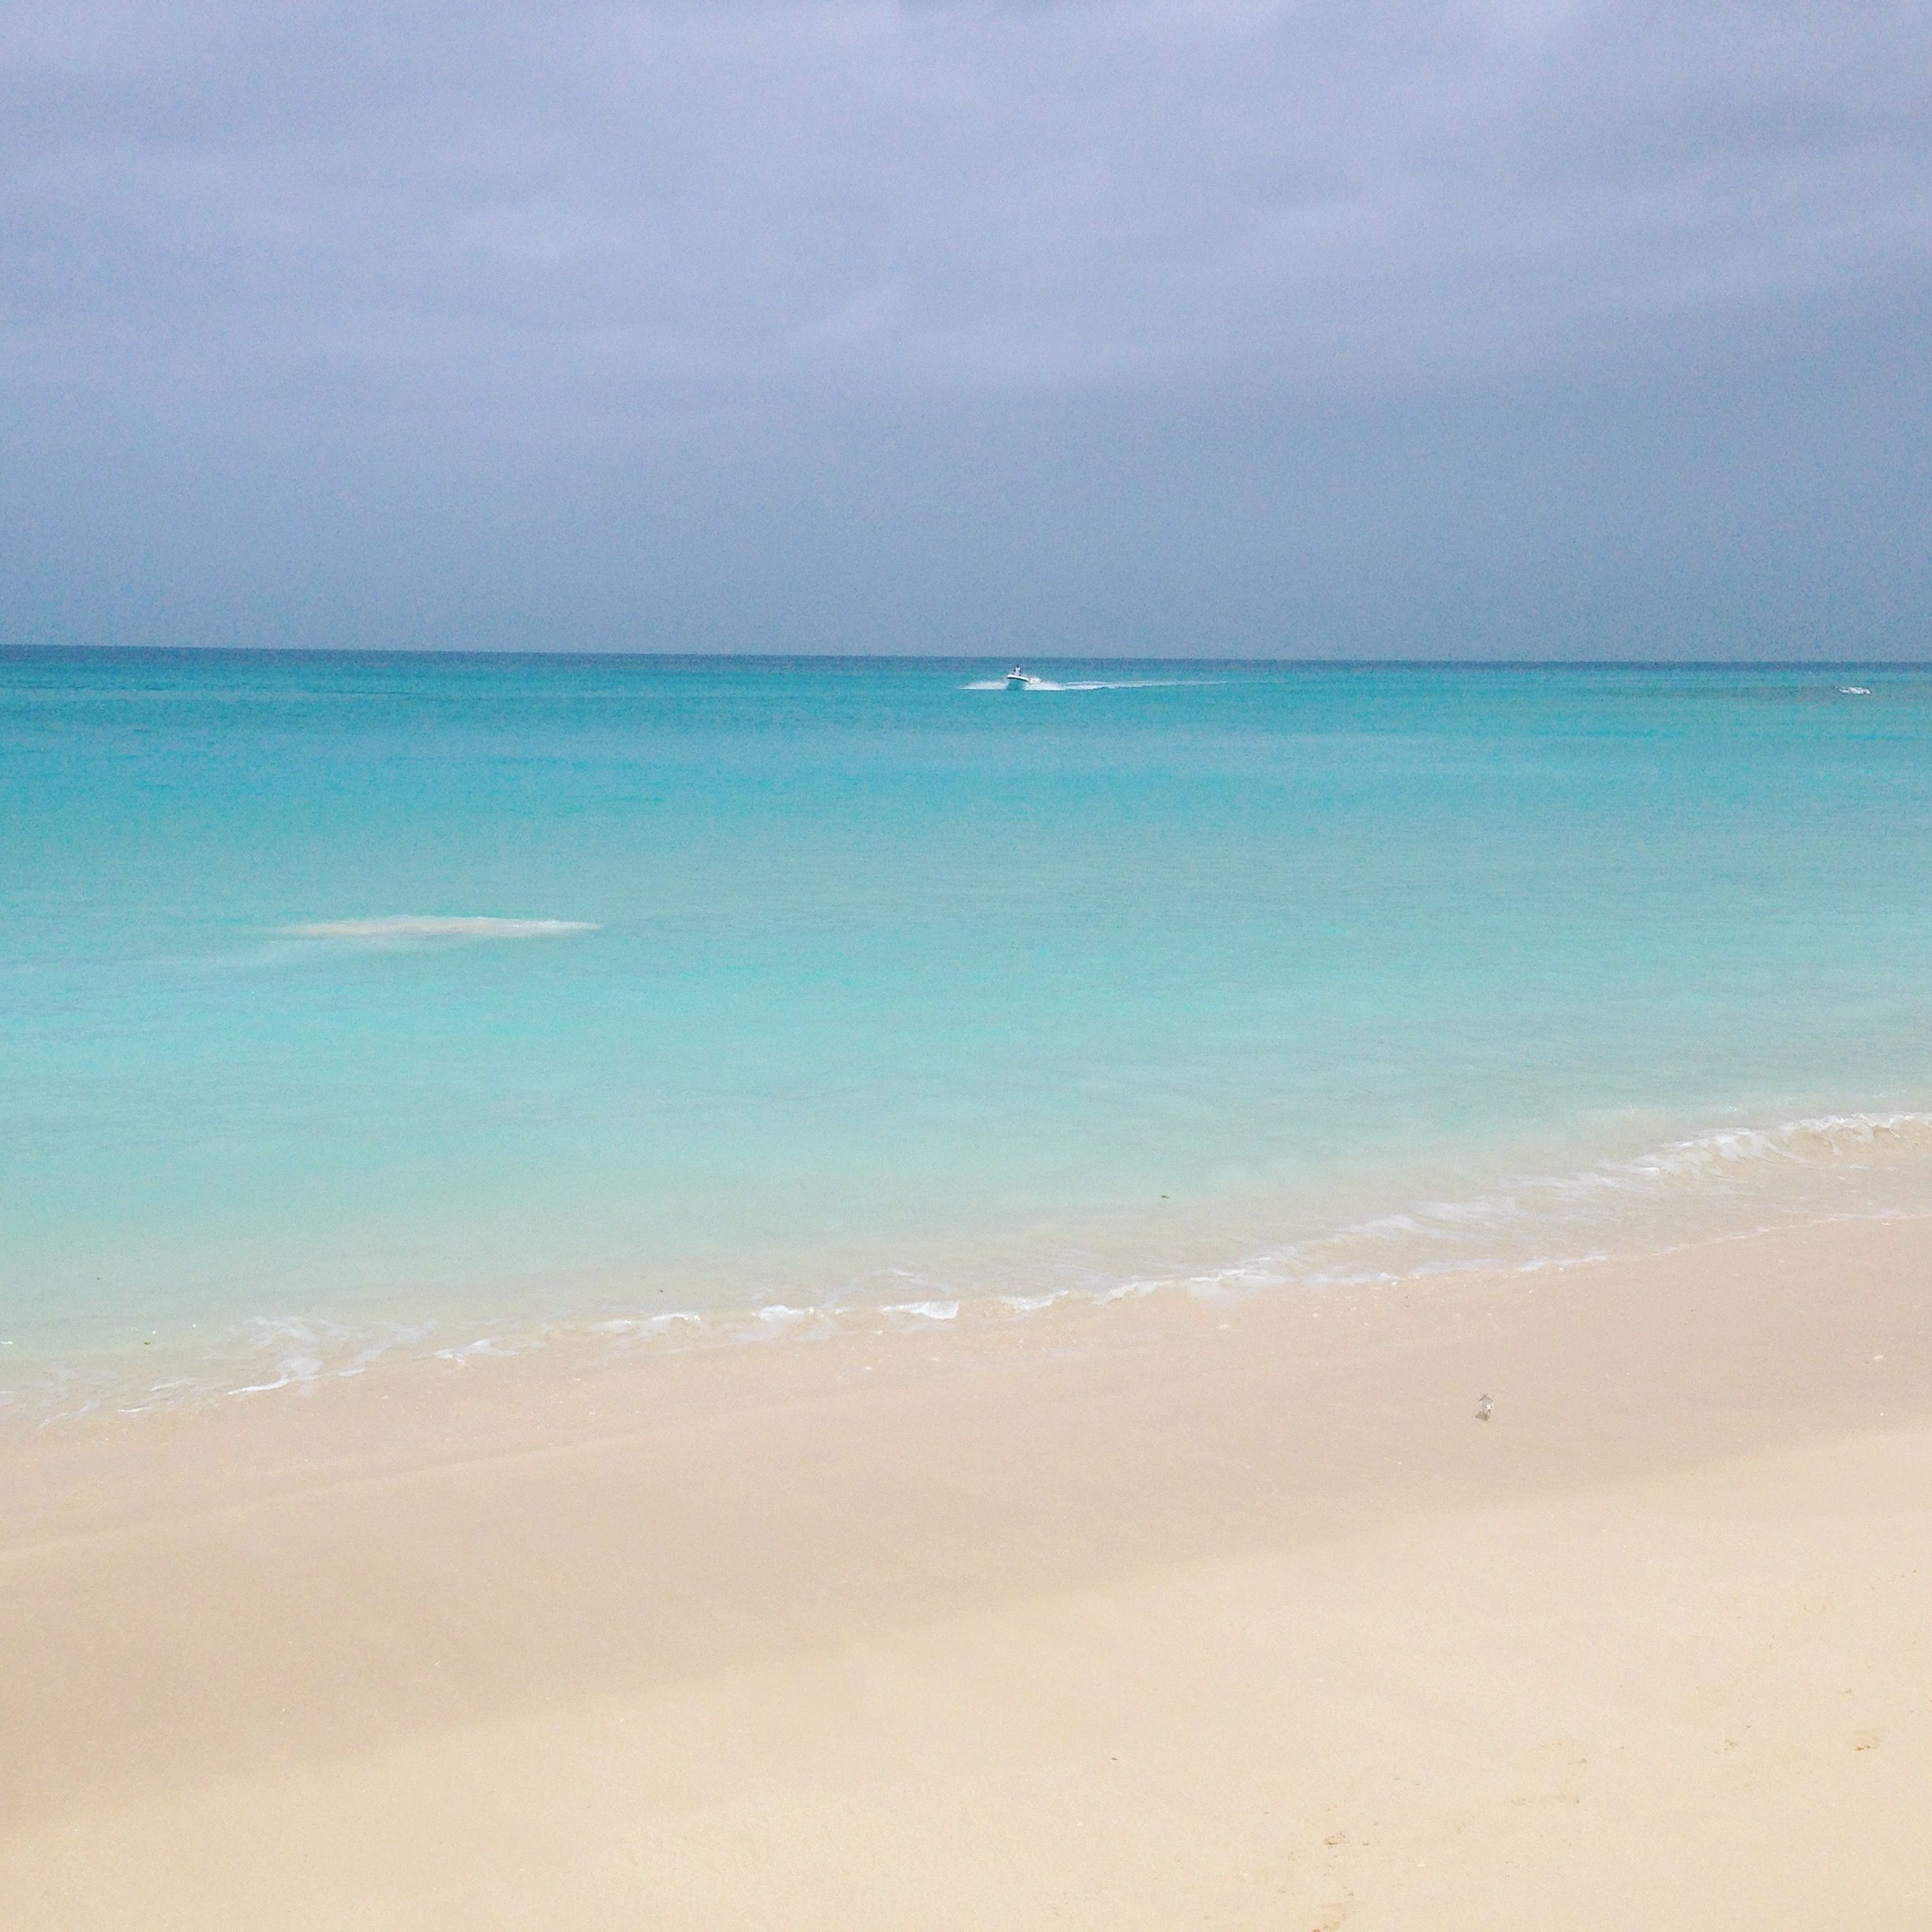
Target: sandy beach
<point>1165,1613</point>
<point>966,968</point>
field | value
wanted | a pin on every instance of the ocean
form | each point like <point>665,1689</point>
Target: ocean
<point>360,1006</point>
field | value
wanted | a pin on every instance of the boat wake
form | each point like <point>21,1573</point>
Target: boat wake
<point>1085,684</point>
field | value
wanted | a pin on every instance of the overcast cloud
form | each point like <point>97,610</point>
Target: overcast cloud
<point>1592,329</point>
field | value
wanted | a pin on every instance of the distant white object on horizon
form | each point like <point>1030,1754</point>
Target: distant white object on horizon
<point>1854,690</point>
<point>1017,679</point>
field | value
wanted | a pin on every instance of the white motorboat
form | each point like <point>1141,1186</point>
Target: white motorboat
<point>1017,679</point>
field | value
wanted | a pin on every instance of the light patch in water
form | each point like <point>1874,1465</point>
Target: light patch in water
<point>408,929</point>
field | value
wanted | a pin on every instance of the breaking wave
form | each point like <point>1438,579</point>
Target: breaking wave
<point>1720,1184</point>
<point>1728,1181</point>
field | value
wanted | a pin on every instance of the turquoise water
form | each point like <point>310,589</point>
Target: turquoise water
<point>856,985</point>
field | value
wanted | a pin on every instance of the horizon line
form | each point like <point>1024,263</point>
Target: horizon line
<point>540,654</point>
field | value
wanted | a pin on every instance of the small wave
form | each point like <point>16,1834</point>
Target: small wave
<point>414,929</point>
<point>1730,1180</point>
<point>1825,1137</point>
<point>925,1311</point>
<point>296,1371</point>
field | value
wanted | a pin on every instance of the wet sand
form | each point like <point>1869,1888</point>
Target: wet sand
<point>1161,1615</point>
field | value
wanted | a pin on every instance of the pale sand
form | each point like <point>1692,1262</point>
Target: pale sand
<point>1158,1616</point>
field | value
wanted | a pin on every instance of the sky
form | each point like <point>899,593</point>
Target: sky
<point>1488,328</point>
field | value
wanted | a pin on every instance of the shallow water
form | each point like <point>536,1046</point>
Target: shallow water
<point>360,1003</point>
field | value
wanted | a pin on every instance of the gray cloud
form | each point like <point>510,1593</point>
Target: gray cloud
<point>786,324</point>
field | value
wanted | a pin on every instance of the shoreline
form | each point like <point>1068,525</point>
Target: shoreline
<point>1722,1182</point>
<point>628,1611</point>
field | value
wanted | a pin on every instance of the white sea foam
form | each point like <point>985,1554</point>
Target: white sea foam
<point>295,1369</point>
<point>488,1344</point>
<point>1730,1180</point>
<point>410,929</point>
